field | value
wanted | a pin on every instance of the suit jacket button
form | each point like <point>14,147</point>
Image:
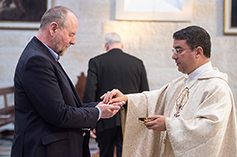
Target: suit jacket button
<point>84,134</point>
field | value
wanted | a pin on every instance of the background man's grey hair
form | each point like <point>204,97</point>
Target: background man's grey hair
<point>112,38</point>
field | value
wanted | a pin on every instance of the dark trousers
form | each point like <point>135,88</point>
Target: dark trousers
<point>109,138</point>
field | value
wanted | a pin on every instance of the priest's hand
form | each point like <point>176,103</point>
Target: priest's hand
<point>109,110</point>
<point>158,123</point>
<point>114,96</point>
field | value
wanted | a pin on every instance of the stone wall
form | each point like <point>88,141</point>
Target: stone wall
<point>150,41</point>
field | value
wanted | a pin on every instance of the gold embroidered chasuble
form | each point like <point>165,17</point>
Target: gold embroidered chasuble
<point>206,126</point>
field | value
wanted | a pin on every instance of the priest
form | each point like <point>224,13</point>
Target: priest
<point>193,115</point>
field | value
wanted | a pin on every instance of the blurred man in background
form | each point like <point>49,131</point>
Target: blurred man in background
<point>113,69</point>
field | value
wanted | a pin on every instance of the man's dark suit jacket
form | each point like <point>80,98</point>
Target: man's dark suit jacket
<point>114,69</point>
<point>50,118</point>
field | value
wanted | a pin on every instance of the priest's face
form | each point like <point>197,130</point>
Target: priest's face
<point>184,57</point>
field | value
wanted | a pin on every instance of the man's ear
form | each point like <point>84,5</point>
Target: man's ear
<point>199,51</point>
<point>106,47</point>
<point>53,28</point>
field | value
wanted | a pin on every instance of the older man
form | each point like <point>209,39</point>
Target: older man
<point>113,69</point>
<point>51,121</point>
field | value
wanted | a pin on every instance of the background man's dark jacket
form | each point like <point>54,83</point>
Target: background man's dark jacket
<point>114,69</point>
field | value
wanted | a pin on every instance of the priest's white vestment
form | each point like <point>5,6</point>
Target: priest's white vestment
<point>206,126</point>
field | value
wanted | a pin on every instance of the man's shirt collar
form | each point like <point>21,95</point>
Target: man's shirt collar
<point>200,71</point>
<point>55,55</point>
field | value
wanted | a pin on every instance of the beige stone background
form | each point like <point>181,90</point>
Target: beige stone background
<point>150,41</point>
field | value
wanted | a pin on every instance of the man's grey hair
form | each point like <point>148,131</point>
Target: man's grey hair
<point>112,38</point>
<point>56,14</point>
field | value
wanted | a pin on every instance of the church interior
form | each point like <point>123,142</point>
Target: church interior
<point>146,29</point>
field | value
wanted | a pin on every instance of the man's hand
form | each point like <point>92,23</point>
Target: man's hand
<point>93,133</point>
<point>114,96</point>
<point>157,124</point>
<point>109,110</point>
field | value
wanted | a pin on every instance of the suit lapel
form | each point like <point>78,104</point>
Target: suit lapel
<point>74,93</point>
<point>46,51</point>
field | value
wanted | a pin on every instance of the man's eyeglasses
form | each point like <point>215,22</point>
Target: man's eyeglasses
<point>177,51</point>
